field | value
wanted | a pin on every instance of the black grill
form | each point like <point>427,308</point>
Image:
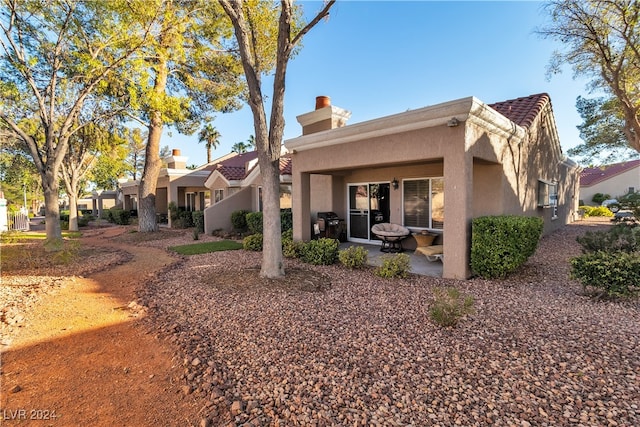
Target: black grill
<point>329,225</point>
<point>329,218</point>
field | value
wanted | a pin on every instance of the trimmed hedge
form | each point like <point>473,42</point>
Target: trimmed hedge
<point>252,242</point>
<point>323,251</point>
<point>501,244</point>
<point>254,222</point>
<point>239,220</point>
<point>615,273</point>
<point>286,219</point>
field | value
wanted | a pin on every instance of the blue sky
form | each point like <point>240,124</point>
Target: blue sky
<point>378,58</point>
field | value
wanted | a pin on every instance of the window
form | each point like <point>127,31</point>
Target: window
<point>218,195</point>
<point>423,203</point>
<point>547,194</point>
<point>190,202</point>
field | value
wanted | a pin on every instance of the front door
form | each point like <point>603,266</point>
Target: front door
<point>368,205</point>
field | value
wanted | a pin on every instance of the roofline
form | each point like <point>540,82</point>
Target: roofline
<point>470,108</point>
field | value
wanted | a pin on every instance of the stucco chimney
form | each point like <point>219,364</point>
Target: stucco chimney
<point>175,160</point>
<point>324,117</point>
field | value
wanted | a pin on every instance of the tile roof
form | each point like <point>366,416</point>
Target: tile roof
<point>234,168</point>
<point>285,165</point>
<point>591,176</point>
<point>522,111</point>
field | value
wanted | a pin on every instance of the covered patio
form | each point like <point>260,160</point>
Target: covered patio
<point>419,263</point>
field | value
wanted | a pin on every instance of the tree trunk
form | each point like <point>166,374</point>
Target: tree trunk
<point>52,213</point>
<point>148,182</point>
<point>272,260</point>
<point>73,211</point>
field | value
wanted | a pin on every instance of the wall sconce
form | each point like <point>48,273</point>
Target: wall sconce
<point>453,122</point>
<point>394,184</point>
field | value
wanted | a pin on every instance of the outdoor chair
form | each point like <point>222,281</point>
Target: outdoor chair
<point>391,235</point>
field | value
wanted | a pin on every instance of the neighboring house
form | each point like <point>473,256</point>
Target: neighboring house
<point>435,169</point>
<point>615,180</point>
<point>235,184</point>
<point>185,187</point>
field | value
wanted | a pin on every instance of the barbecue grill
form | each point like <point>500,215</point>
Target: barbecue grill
<point>330,225</point>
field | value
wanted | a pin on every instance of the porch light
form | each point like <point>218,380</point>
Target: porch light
<point>394,184</point>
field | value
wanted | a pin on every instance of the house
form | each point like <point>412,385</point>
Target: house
<point>185,187</point>
<point>615,180</point>
<point>235,184</point>
<point>434,168</point>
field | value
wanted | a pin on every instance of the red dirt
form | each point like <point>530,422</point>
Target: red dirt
<point>83,358</point>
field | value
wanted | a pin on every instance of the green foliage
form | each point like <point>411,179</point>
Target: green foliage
<point>598,198</point>
<point>394,266</point>
<point>253,242</point>
<point>239,220</point>
<point>353,257</point>
<point>254,222</point>
<point>293,248</point>
<point>620,237</point>
<point>501,244</point>
<point>287,235</point>
<point>600,211</point>
<point>323,251</point>
<point>207,247</point>
<point>286,219</point>
<point>118,216</point>
<point>613,273</point>
<point>174,211</point>
<point>198,220</point>
<point>450,306</point>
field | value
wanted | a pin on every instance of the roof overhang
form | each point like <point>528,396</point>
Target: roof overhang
<point>465,109</point>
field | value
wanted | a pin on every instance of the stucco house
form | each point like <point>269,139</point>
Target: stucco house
<point>176,184</point>
<point>616,180</point>
<point>434,168</point>
<point>235,184</point>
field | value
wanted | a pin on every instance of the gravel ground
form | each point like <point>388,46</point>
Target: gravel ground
<point>339,347</point>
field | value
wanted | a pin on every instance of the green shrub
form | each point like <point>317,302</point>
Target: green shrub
<point>252,242</point>
<point>239,220</point>
<point>119,216</point>
<point>254,222</point>
<point>598,198</point>
<point>286,219</point>
<point>197,218</point>
<point>613,273</point>
<point>501,244</point>
<point>353,257</point>
<point>394,266</point>
<point>620,237</point>
<point>287,235</point>
<point>323,251</point>
<point>174,211</point>
<point>293,249</point>
<point>599,211</point>
<point>450,306</point>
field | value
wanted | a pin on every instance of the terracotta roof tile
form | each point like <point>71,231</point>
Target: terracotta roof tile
<point>591,176</point>
<point>285,165</point>
<point>522,111</point>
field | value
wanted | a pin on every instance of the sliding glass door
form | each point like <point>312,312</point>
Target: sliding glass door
<point>368,205</point>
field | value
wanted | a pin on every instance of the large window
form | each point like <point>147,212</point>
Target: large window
<point>423,203</point>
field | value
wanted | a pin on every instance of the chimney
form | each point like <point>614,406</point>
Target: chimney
<point>324,117</point>
<point>175,160</point>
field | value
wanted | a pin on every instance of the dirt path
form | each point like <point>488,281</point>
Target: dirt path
<point>85,359</point>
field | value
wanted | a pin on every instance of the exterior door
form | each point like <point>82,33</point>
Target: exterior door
<point>368,205</point>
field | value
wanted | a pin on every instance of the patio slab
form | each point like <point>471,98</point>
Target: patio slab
<point>419,263</point>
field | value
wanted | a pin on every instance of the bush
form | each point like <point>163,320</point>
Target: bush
<point>286,220</point>
<point>197,218</point>
<point>394,266</point>
<point>450,306</point>
<point>353,257</point>
<point>119,216</point>
<point>287,235</point>
<point>598,198</point>
<point>323,251</point>
<point>620,237</point>
<point>252,242</point>
<point>239,220</point>
<point>501,244</point>
<point>174,211</point>
<point>599,211</point>
<point>614,273</point>
<point>254,222</point>
<point>293,249</point>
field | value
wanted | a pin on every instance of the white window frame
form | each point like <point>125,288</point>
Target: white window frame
<point>430,180</point>
<point>216,192</point>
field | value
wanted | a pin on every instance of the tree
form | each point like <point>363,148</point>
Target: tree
<point>178,80</point>
<point>56,55</point>
<point>602,39</point>
<point>239,147</point>
<point>136,145</point>
<point>211,137</point>
<point>252,20</point>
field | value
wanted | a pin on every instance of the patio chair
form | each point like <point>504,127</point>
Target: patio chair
<point>391,235</point>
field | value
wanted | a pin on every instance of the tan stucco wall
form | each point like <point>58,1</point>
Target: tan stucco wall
<point>615,186</point>
<point>218,216</point>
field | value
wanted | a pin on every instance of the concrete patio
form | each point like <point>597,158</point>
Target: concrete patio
<point>419,263</point>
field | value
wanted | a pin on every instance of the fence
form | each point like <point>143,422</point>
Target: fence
<point>17,221</point>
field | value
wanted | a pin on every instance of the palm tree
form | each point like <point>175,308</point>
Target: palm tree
<point>211,137</point>
<point>239,147</point>
<point>251,142</point>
